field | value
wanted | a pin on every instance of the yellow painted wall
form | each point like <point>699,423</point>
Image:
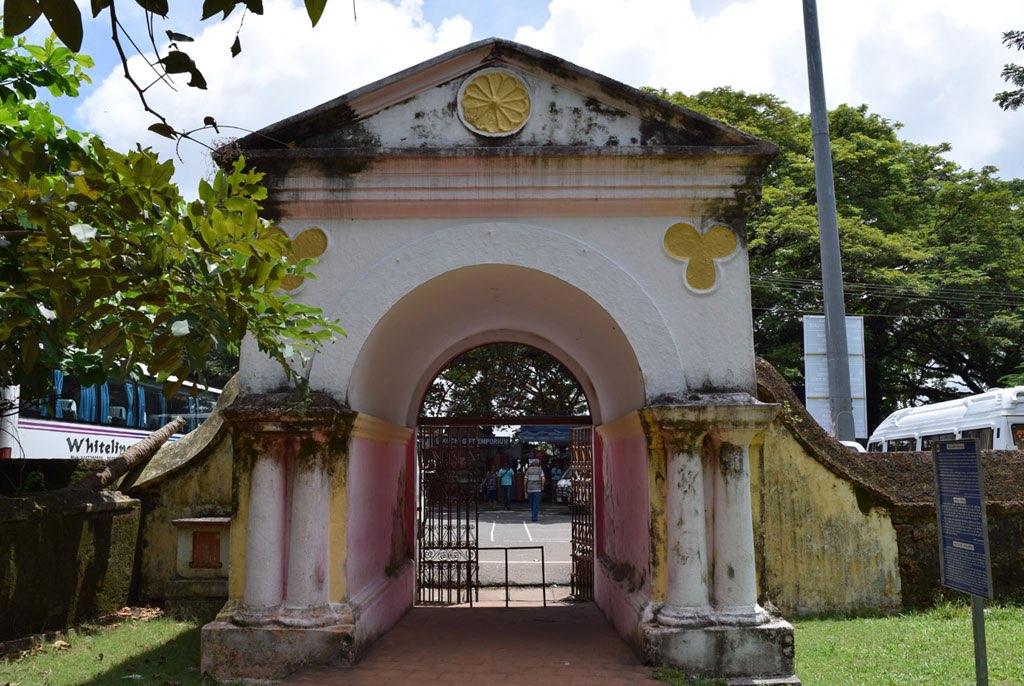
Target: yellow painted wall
<point>203,489</point>
<point>817,551</point>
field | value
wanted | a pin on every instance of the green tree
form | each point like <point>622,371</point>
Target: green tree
<point>929,251</point>
<point>65,19</point>
<point>1013,74</point>
<point>505,380</point>
<point>105,267</point>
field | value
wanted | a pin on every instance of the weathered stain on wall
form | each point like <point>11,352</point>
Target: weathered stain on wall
<point>627,546</point>
<point>842,511</point>
<point>190,478</point>
<point>338,538</point>
<point>64,559</point>
<point>816,550</point>
<point>202,490</point>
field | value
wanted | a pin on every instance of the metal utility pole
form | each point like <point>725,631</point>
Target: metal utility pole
<point>828,230</point>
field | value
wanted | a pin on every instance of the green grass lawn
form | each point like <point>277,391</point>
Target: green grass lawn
<point>933,647</point>
<point>927,648</point>
<point>161,651</point>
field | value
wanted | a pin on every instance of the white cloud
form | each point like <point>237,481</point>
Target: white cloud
<point>284,68</point>
<point>932,64</point>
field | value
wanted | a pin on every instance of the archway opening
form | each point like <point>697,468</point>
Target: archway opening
<point>505,481</point>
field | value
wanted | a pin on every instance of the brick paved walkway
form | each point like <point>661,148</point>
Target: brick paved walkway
<point>560,645</point>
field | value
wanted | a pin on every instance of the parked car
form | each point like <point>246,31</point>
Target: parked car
<point>563,489</point>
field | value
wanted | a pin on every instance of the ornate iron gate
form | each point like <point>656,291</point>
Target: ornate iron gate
<point>581,504</point>
<point>447,515</point>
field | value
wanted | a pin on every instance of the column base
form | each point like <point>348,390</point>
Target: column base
<point>312,617</point>
<point>251,653</point>
<point>253,615</point>
<point>693,617</point>
<point>745,615</point>
<point>742,654</point>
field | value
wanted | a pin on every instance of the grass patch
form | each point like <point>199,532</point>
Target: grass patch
<point>160,651</point>
<point>926,648</point>
<point>923,648</point>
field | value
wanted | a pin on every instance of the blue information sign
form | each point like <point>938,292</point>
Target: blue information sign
<point>963,527</point>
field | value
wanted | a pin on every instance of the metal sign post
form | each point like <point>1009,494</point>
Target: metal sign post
<point>964,562</point>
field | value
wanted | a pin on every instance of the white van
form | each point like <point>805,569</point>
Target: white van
<point>995,418</point>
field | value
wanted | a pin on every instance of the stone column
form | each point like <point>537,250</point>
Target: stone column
<point>734,582</point>
<point>265,542</point>
<point>307,601</point>
<point>287,444</point>
<point>686,595</point>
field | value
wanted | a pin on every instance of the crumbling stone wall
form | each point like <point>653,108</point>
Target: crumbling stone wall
<point>64,559</point>
<point>896,487</point>
<point>918,536</point>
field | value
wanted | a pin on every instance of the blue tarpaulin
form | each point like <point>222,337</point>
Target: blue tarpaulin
<point>556,434</point>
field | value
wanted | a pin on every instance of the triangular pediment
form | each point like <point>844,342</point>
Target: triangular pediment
<point>494,94</point>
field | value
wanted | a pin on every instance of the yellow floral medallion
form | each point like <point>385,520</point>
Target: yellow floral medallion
<point>494,102</point>
<point>700,251</point>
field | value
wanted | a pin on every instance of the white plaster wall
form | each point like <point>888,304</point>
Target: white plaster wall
<point>559,115</point>
<point>680,340</point>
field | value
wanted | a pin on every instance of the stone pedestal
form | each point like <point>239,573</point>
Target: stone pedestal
<point>285,619</point>
<point>760,654</point>
<point>710,622</point>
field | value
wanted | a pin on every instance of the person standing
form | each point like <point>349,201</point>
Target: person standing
<point>505,476</point>
<point>534,486</point>
<point>556,476</point>
<point>491,486</point>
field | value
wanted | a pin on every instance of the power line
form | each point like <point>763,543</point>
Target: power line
<point>937,296</point>
<point>885,287</point>
<point>802,313</point>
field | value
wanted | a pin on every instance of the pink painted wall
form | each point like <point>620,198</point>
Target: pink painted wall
<point>625,503</point>
<point>622,580</point>
<point>378,522</point>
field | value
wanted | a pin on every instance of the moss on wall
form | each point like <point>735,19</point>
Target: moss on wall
<point>827,543</point>
<point>201,490</point>
<point>64,563</point>
<point>187,479</point>
<point>817,551</point>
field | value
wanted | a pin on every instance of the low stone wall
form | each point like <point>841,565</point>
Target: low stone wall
<point>65,558</point>
<point>186,488</point>
<point>917,528</point>
<point>844,532</point>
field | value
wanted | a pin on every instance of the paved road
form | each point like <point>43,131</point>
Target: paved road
<point>500,528</point>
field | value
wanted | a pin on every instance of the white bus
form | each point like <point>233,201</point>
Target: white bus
<point>95,422</point>
<point>995,418</point>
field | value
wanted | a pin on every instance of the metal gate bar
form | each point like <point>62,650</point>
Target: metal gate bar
<point>448,517</point>
<point>581,504</point>
<point>543,577</point>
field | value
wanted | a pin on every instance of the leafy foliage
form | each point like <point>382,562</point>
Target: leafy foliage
<point>931,252</point>
<point>65,19</point>
<point>104,267</point>
<point>505,380</point>
<point>1013,74</point>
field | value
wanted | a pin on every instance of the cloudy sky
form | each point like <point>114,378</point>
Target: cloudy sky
<point>931,64</point>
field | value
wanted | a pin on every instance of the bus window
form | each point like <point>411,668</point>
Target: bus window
<point>927,441</point>
<point>1018,435</point>
<point>984,437</point>
<point>874,447</point>
<point>899,445</point>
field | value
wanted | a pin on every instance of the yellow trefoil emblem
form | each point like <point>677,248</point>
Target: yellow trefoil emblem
<point>311,242</point>
<point>700,251</point>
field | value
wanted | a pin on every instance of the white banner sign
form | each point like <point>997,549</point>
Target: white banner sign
<point>816,372</point>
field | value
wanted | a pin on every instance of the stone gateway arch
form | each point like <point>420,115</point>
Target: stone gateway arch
<point>500,194</point>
